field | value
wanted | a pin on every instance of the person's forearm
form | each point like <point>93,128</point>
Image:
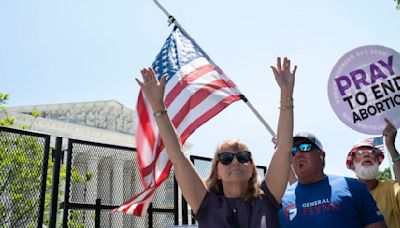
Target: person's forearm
<point>285,124</point>
<point>390,132</point>
<point>394,154</point>
<point>168,134</point>
<point>278,172</point>
<point>192,187</point>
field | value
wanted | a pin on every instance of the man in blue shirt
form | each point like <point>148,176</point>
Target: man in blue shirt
<point>318,200</point>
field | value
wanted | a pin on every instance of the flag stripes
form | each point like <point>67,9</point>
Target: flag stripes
<point>196,90</point>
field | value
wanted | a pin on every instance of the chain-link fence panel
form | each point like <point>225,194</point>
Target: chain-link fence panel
<point>164,197</point>
<point>23,168</point>
<point>101,171</point>
<point>161,220</point>
<point>111,173</point>
<point>164,203</point>
<point>79,218</point>
<point>122,220</point>
<point>203,166</point>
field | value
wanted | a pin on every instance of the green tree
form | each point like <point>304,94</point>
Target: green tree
<point>21,159</point>
<point>385,174</point>
<point>20,173</point>
<point>6,120</point>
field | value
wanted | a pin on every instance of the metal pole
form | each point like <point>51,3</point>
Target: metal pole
<point>97,213</point>
<point>269,129</point>
<point>44,179</point>
<point>161,8</point>
<point>171,19</point>
<point>150,216</point>
<point>176,206</point>
<point>68,172</point>
<point>55,182</point>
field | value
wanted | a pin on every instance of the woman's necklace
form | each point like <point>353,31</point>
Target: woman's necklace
<point>233,203</point>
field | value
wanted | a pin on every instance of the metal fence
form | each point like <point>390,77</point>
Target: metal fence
<point>109,174</point>
<point>58,182</point>
<point>24,160</point>
<point>77,186</point>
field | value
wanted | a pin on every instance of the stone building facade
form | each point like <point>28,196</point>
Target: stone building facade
<point>100,121</point>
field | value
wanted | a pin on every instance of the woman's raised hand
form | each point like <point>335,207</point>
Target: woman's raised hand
<point>283,75</point>
<point>153,88</point>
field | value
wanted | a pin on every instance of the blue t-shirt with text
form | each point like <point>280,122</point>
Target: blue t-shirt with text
<point>332,202</point>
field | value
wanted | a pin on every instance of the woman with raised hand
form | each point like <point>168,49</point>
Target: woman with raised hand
<point>232,195</point>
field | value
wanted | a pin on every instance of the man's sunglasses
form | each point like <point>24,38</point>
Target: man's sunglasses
<point>304,147</point>
<point>368,151</point>
<point>226,158</point>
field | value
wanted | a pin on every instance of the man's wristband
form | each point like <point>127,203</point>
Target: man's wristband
<point>160,112</point>
<point>396,159</point>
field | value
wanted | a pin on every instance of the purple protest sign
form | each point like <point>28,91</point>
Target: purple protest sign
<point>364,87</point>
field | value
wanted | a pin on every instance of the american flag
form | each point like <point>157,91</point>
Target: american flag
<point>376,142</point>
<point>196,90</point>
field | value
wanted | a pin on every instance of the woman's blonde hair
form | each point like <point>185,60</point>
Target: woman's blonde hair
<point>215,184</point>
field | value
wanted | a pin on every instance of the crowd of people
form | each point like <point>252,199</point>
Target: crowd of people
<point>295,191</point>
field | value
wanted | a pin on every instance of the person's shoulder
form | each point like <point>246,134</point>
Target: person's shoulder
<point>390,184</point>
<point>390,181</point>
<point>347,179</point>
<point>355,183</point>
<point>353,180</point>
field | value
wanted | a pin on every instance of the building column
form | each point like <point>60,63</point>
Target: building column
<point>91,186</point>
<point>117,190</point>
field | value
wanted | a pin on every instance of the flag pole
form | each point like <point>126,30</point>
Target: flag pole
<point>171,20</point>
<point>269,129</point>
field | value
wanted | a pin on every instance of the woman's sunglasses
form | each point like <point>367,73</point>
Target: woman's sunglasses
<point>226,158</point>
<point>304,147</point>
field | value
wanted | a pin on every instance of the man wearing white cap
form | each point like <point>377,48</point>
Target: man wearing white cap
<point>364,159</point>
<point>320,200</point>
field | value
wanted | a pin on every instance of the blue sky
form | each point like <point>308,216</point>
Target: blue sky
<point>76,51</point>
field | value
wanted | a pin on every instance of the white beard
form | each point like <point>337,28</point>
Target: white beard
<point>366,172</point>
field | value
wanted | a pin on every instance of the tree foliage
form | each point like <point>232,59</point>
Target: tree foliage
<point>21,162</point>
<point>6,120</point>
<point>385,174</point>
